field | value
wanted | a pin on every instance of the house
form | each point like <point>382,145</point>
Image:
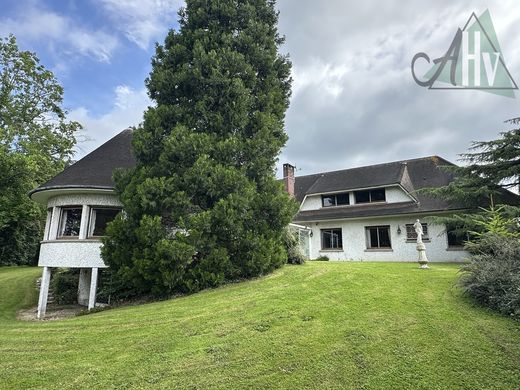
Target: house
<point>367,213</point>
<point>360,214</point>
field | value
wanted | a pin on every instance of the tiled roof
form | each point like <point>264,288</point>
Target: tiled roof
<point>95,169</point>
<point>412,175</point>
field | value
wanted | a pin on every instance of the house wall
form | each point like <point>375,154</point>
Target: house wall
<point>355,247</point>
<point>73,252</point>
<point>394,194</point>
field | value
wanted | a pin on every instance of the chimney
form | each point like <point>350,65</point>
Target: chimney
<point>288,178</point>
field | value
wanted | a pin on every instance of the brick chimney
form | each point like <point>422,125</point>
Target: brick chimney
<point>288,178</point>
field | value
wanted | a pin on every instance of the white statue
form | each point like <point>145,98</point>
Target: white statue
<point>421,248</point>
<point>419,231</point>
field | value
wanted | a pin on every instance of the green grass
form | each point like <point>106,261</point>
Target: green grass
<point>322,325</point>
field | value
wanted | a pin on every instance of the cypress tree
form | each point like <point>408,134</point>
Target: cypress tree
<point>202,205</point>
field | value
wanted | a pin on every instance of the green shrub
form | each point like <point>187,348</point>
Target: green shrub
<point>64,285</point>
<point>322,258</point>
<point>110,288</point>
<point>294,252</point>
<point>492,278</point>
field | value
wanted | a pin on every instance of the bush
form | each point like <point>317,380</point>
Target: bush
<point>111,289</point>
<point>322,258</point>
<point>294,252</point>
<point>492,278</point>
<point>64,284</point>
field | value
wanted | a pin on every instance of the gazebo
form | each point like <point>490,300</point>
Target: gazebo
<point>80,202</point>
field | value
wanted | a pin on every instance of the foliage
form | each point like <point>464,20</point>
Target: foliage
<point>292,246</point>
<point>322,325</point>
<point>322,258</point>
<point>492,277</point>
<point>64,285</point>
<point>496,221</point>
<point>111,290</point>
<point>36,142</point>
<point>20,218</point>
<point>489,168</point>
<point>202,205</point>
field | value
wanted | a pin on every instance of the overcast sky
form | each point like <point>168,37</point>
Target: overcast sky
<point>354,100</point>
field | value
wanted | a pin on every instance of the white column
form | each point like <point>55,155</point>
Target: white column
<point>309,238</point>
<point>84,222</point>
<point>93,288</point>
<point>55,221</point>
<point>44,292</point>
<point>84,286</point>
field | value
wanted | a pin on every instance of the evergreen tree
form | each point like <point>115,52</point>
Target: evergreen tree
<point>491,170</point>
<point>202,205</point>
<point>490,167</point>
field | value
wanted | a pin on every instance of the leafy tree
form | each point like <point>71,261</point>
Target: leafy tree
<point>36,142</point>
<point>203,206</point>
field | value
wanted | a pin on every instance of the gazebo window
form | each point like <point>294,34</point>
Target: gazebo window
<point>99,218</point>
<point>70,222</point>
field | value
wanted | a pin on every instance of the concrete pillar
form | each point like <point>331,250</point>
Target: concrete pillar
<point>44,292</point>
<point>84,286</point>
<point>93,288</point>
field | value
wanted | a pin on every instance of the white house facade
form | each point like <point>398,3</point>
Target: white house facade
<point>367,213</point>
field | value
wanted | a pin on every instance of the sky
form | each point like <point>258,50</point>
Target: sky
<point>354,101</point>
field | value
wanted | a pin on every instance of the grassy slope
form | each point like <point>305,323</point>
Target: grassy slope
<point>322,325</point>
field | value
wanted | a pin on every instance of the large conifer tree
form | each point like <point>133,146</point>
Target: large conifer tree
<point>203,205</point>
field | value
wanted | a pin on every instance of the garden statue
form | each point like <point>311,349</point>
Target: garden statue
<point>423,260</point>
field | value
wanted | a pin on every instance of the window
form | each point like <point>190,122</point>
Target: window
<point>331,239</point>
<point>368,196</point>
<point>456,237</point>
<point>70,221</point>
<point>378,237</point>
<point>335,200</point>
<point>99,218</point>
<point>412,236</point>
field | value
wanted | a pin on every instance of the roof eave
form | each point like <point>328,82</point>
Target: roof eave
<point>419,212</point>
<point>42,194</point>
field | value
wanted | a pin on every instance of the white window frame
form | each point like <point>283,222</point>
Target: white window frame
<point>62,221</point>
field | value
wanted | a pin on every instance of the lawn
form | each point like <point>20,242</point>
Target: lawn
<point>321,325</point>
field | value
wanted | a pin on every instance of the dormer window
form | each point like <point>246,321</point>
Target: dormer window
<point>369,196</point>
<point>335,200</point>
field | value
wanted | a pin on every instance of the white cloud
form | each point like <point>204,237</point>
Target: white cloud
<point>129,106</point>
<point>354,100</point>
<point>142,20</point>
<point>59,32</point>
